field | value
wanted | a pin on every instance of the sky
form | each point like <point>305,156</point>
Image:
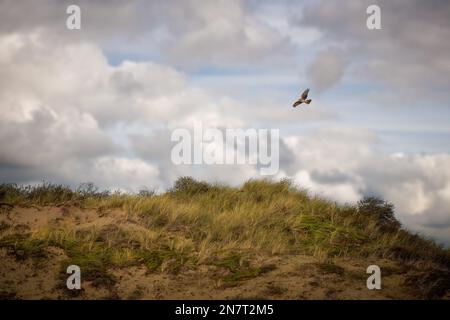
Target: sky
<point>99,104</point>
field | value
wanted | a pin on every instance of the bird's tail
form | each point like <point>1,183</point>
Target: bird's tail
<point>308,101</point>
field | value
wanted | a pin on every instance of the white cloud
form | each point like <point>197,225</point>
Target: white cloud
<point>113,171</point>
<point>68,116</point>
<point>346,165</point>
<point>343,192</point>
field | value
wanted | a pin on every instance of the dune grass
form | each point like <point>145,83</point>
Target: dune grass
<point>197,223</point>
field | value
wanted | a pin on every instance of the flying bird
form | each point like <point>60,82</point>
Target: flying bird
<point>303,98</point>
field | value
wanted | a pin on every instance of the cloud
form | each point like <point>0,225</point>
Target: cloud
<point>184,33</point>
<point>327,69</point>
<point>408,52</point>
<point>113,171</point>
<point>218,33</point>
<point>67,115</point>
<point>67,112</point>
<point>346,165</point>
<point>99,22</point>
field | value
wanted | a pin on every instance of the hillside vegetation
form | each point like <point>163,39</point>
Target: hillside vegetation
<point>198,232</point>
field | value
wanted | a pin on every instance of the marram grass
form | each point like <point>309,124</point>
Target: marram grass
<point>197,223</point>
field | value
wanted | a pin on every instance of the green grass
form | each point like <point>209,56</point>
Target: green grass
<point>23,247</point>
<point>154,259</point>
<point>239,269</point>
<point>48,194</point>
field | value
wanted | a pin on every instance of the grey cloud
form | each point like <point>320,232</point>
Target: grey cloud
<point>156,148</point>
<point>287,158</point>
<point>327,69</point>
<point>409,52</point>
<point>334,176</point>
<point>125,82</point>
<point>39,149</point>
<point>221,32</point>
<point>99,22</point>
<point>46,139</point>
<point>186,33</point>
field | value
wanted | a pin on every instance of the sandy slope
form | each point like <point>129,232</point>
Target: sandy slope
<point>292,276</point>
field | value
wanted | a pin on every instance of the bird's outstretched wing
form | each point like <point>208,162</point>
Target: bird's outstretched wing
<point>296,103</point>
<point>305,94</point>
